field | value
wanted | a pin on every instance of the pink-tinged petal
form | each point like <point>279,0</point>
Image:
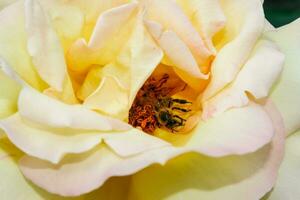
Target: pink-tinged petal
<point>33,105</point>
<point>174,19</point>
<point>206,16</point>
<point>256,77</point>
<point>193,176</point>
<point>46,143</point>
<point>13,44</point>
<point>44,46</point>
<point>245,23</point>
<point>236,131</point>
<point>257,171</point>
<point>13,185</point>
<point>286,93</point>
<point>287,184</point>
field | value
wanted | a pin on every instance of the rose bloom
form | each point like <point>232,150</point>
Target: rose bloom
<point>149,99</point>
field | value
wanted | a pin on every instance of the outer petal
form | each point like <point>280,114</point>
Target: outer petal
<point>34,105</point>
<point>44,46</point>
<point>245,23</point>
<point>9,91</point>
<point>102,163</point>
<point>287,185</point>
<point>236,131</point>
<point>286,94</point>
<point>194,176</point>
<point>256,77</point>
<point>13,44</point>
<point>13,184</point>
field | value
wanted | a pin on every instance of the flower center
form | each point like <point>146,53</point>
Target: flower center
<point>155,108</point>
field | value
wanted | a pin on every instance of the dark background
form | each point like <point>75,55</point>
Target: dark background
<point>281,12</point>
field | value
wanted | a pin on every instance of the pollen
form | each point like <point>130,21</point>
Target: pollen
<point>155,108</point>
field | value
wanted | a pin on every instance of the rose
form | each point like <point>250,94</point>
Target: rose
<point>45,58</point>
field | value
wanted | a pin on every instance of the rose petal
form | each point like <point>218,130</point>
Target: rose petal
<point>9,91</point>
<point>106,40</point>
<point>44,45</point>
<point>286,94</point>
<point>175,20</point>
<point>256,77</point>
<point>46,143</point>
<point>206,16</point>
<point>5,3</point>
<point>12,178</point>
<point>12,44</point>
<point>136,61</point>
<point>176,50</point>
<point>34,105</point>
<point>287,184</point>
<point>236,131</point>
<point>101,164</point>
<point>245,23</point>
<point>192,176</point>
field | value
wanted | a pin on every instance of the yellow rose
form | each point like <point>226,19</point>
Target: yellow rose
<point>96,89</point>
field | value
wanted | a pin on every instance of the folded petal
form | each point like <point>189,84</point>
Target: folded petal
<point>44,46</point>
<point>206,16</point>
<point>236,131</point>
<point>174,19</point>
<point>9,91</point>
<point>256,77</point>
<point>106,40</point>
<point>12,178</point>
<point>46,143</point>
<point>287,184</point>
<point>191,176</point>
<point>33,105</point>
<point>13,44</point>
<point>286,94</point>
<point>245,23</point>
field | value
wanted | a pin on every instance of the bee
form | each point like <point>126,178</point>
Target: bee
<point>166,116</point>
<point>154,107</point>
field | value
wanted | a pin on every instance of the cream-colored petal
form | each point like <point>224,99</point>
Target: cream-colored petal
<point>46,143</point>
<point>236,131</point>
<point>13,185</point>
<point>9,91</point>
<point>287,184</point>
<point>93,168</point>
<point>245,23</point>
<point>44,45</point>
<point>106,40</point>
<point>206,16</point>
<point>13,44</point>
<point>123,78</point>
<point>110,97</point>
<point>193,176</point>
<point>174,19</point>
<point>256,77</point>
<point>286,93</point>
<point>176,50</point>
<point>34,105</point>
